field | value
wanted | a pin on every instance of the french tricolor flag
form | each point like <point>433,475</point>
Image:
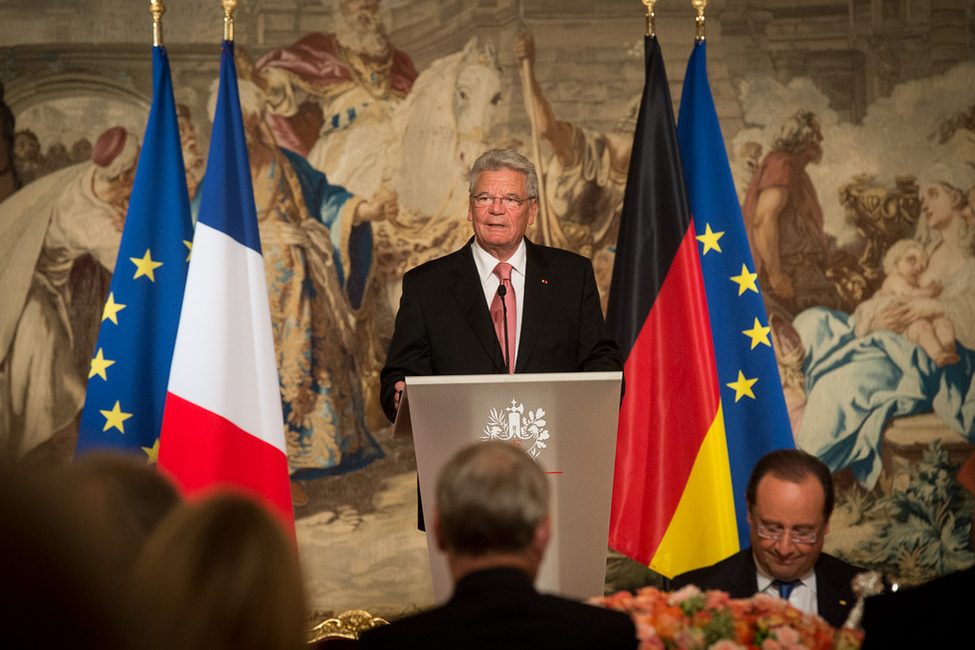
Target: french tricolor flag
<point>222,425</point>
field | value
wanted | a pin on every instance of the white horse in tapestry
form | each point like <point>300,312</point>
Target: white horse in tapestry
<point>444,124</point>
<point>423,152</point>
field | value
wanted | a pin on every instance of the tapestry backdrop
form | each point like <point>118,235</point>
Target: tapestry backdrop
<point>851,132</point>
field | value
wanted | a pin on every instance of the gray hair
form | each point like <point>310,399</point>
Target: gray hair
<point>491,497</point>
<point>497,159</point>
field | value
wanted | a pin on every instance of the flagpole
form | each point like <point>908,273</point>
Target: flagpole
<point>651,17</point>
<point>229,6</point>
<point>755,416</point>
<point>126,391</point>
<point>700,6</point>
<point>223,423</point>
<point>157,9</point>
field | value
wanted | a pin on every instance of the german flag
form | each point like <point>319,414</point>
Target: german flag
<point>671,494</point>
<point>703,397</point>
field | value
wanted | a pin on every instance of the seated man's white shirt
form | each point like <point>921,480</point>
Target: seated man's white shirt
<point>803,596</point>
<point>489,281</point>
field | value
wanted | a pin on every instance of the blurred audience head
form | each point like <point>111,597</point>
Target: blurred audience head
<point>124,497</point>
<point>60,583</point>
<point>492,509</point>
<point>219,574</point>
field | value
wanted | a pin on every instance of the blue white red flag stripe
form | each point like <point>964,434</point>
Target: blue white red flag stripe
<point>224,356</point>
<point>223,425</point>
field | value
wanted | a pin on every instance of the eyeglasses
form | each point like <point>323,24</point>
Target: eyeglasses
<point>797,537</point>
<point>507,202</point>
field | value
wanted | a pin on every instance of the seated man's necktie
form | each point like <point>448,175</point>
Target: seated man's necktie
<point>785,587</point>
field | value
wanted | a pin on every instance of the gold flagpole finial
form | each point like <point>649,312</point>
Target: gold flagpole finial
<point>157,9</point>
<point>651,17</point>
<point>700,5</point>
<point>228,18</point>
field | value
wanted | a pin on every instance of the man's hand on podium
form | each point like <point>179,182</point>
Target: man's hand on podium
<point>399,386</point>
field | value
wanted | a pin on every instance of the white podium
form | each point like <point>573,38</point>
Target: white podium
<point>566,421</point>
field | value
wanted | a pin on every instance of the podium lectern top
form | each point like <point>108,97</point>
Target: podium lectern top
<point>403,427</point>
<point>565,421</point>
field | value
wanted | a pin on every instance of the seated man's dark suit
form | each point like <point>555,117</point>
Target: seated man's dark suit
<point>736,575</point>
<point>500,609</point>
<point>920,617</point>
<point>443,326</point>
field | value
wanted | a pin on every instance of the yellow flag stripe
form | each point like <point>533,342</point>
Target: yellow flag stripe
<point>704,528</point>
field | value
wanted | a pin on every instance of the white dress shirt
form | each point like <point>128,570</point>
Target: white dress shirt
<point>489,281</point>
<point>803,596</point>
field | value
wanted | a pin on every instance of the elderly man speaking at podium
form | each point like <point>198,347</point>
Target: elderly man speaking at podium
<point>500,304</point>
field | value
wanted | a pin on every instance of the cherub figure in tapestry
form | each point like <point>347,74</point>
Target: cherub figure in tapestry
<point>903,264</point>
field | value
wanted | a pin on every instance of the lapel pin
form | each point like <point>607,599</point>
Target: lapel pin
<point>544,281</point>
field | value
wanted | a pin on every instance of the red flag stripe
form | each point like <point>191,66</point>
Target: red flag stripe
<point>207,451</point>
<point>671,393</point>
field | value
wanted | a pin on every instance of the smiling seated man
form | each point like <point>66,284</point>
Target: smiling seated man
<point>790,498</point>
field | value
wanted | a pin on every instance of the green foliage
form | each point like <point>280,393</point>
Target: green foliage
<point>721,626</point>
<point>923,530</point>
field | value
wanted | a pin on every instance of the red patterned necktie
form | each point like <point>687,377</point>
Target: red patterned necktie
<point>498,316</point>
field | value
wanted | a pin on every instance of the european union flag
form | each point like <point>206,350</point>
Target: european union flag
<point>755,417</point>
<point>130,370</point>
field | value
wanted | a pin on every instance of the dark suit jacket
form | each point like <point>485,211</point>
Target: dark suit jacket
<point>444,327</point>
<point>737,576</point>
<point>931,615</point>
<point>500,609</point>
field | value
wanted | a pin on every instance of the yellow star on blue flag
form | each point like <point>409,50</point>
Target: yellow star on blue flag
<point>115,418</point>
<point>759,424</point>
<point>135,347</point>
<point>742,386</point>
<point>710,240</point>
<point>145,266</point>
<point>112,308</point>
<point>99,364</point>
<point>758,334</point>
<point>746,281</point>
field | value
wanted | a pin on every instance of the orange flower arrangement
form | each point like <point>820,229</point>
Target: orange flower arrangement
<point>690,619</point>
